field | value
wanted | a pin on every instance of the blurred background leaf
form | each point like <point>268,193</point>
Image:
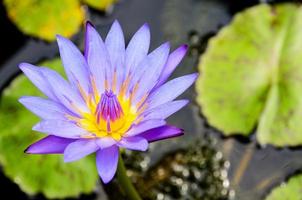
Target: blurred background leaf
<point>251,75</point>
<point>46,174</point>
<point>288,191</point>
<point>44,18</point>
<point>102,5</point>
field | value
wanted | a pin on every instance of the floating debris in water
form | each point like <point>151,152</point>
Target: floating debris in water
<point>198,172</point>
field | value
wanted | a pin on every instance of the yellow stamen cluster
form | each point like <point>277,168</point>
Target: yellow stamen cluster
<point>117,127</point>
<point>98,126</point>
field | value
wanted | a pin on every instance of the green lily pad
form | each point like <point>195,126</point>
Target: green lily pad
<point>44,18</point>
<point>288,191</point>
<point>251,75</point>
<point>47,174</point>
<point>102,5</point>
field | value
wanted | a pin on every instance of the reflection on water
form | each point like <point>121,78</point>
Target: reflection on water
<point>254,170</point>
<point>179,19</point>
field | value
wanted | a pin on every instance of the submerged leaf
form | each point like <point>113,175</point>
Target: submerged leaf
<point>252,75</point>
<point>46,18</point>
<point>47,174</point>
<point>290,190</point>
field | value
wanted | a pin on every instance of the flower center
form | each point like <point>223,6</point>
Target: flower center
<point>110,115</point>
<point>108,109</point>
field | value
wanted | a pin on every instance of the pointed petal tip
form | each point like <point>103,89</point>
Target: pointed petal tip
<point>48,145</point>
<point>175,128</point>
<point>184,46</point>
<point>22,100</point>
<point>182,49</point>
<point>167,45</point>
<point>107,177</point>
<point>106,180</point>
<point>27,150</point>
<point>179,130</point>
<point>25,99</point>
<point>89,27</point>
<point>30,149</point>
<point>144,31</point>
<point>163,49</point>
<point>23,65</point>
<point>146,25</point>
<point>194,75</point>
<point>145,28</point>
<point>59,37</point>
<point>185,101</point>
<point>116,23</point>
<point>61,40</point>
<point>26,66</point>
<point>36,127</point>
<point>89,24</point>
<point>114,31</point>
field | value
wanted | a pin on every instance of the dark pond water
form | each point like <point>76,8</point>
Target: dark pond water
<point>252,170</point>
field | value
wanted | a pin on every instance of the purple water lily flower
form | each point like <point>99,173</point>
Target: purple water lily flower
<point>115,97</point>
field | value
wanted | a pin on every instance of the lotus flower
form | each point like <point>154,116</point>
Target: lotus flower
<point>115,97</point>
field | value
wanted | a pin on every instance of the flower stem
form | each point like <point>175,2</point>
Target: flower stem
<point>125,182</point>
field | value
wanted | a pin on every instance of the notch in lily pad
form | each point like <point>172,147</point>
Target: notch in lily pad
<point>251,75</point>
